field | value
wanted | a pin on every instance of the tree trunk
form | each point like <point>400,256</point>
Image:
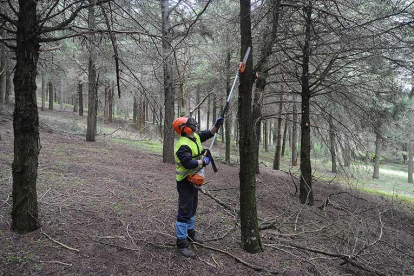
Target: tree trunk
<point>213,118</point>
<point>208,112</point>
<point>8,82</point>
<point>266,136</point>
<point>61,91</point>
<point>410,158</point>
<point>285,131</point>
<point>236,129</point>
<point>92,85</point>
<point>169,95</point>
<point>3,66</point>
<point>80,95</point>
<point>332,143</point>
<point>248,212</point>
<point>111,102</point>
<point>269,138</point>
<point>50,95</point>
<point>25,121</point>
<point>106,107</point>
<point>227,122</point>
<point>222,129</point>
<point>294,158</point>
<point>377,157</point>
<point>256,117</point>
<point>135,111</point>
<point>268,40</point>
<point>276,162</point>
<point>199,109</point>
<point>306,192</point>
<point>44,87</point>
<point>141,113</point>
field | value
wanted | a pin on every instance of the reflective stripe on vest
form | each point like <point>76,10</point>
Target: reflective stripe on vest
<point>196,148</point>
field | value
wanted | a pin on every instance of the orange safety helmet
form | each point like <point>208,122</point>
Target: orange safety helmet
<point>185,124</point>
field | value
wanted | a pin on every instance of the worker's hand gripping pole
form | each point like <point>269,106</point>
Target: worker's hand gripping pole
<point>241,68</point>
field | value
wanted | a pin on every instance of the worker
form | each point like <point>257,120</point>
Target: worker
<point>189,160</point>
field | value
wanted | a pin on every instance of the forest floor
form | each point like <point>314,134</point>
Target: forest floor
<point>108,208</point>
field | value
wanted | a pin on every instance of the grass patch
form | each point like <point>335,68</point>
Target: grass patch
<point>405,198</point>
<point>148,146</point>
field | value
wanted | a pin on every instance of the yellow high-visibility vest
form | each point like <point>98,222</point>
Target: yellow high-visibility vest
<point>196,148</point>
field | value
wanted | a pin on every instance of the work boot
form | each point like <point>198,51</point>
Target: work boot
<point>182,245</point>
<point>193,236</point>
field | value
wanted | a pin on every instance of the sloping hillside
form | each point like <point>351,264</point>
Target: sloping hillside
<point>108,208</point>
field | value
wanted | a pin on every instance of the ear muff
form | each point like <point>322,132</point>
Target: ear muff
<point>187,130</point>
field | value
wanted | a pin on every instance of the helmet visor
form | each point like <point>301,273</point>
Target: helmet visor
<point>192,123</point>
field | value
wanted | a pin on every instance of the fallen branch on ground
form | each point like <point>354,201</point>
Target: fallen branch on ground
<point>61,244</point>
<point>260,269</point>
<point>56,262</point>
<point>207,193</point>
<point>346,259</point>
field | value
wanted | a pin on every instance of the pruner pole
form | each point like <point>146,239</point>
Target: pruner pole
<point>226,107</point>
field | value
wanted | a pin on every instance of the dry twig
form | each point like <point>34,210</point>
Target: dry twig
<point>260,269</point>
<point>61,244</point>
<point>56,262</point>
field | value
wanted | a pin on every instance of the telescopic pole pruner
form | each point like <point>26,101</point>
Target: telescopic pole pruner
<point>240,70</point>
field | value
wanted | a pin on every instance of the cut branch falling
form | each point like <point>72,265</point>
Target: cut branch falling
<point>199,104</point>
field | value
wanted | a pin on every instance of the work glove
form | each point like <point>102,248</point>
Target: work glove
<point>206,161</point>
<point>219,122</point>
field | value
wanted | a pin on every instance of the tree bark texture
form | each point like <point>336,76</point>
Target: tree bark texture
<point>106,107</point>
<point>135,110</point>
<point>410,157</point>
<point>25,121</point>
<point>80,95</point>
<point>141,113</point>
<point>294,158</point>
<point>3,72</point>
<point>227,122</point>
<point>256,117</point>
<point>169,94</point>
<point>285,131</point>
<point>50,95</point>
<point>44,87</point>
<point>248,213</point>
<point>213,118</point>
<point>266,136</point>
<point>61,91</point>
<point>332,142</point>
<point>276,162</point>
<point>377,157</point>
<point>111,102</point>
<point>198,110</point>
<point>92,85</point>
<point>305,188</point>
<point>8,83</point>
<point>269,38</point>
